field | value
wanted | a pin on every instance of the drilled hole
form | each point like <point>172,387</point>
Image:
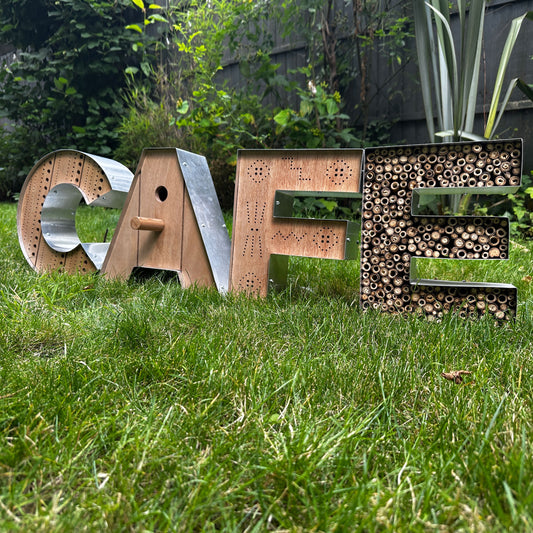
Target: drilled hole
<point>161,193</point>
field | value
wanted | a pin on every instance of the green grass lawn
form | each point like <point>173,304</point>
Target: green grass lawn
<point>139,406</point>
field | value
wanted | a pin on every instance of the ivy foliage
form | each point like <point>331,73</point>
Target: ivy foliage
<point>64,89</point>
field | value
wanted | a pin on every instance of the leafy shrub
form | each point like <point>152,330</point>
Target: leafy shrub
<point>217,123</point>
<point>147,124</point>
<point>318,123</point>
<point>64,89</point>
<point>188,106</point>
<point>522,209</point>
<point>327,208</point>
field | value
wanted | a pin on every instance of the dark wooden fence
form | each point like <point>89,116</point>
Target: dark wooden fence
<point>402,106</point>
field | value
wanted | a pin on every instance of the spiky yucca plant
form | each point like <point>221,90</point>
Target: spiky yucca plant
<point>449,68</point>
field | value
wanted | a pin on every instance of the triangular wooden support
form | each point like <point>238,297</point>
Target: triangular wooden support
<point>172,221</point>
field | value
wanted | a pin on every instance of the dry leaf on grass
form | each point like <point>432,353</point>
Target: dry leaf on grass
<point>456,375</point>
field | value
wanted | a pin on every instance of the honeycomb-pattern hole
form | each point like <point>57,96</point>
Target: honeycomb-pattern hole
<point>250,283</point>
<point>253,244</point>
<point>287,236</point>
<point>258,171</point>
<point>294,168</point>
<point>255,212</point>
<point>340,172</point>
<point>325,239</point>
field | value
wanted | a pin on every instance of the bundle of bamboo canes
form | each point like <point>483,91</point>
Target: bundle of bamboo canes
<point>391,236</point>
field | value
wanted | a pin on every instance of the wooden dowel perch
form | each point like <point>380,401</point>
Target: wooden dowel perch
<point>147,224</point>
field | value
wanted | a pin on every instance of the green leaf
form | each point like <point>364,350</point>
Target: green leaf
<point>283,117</point>
<point>449,76</point>
<point>525,88</point>
<point>306,107</point>
<point>139,4</point>
<point>330,205</point>
<point>60,83</point>
<point>519,212</point>
<point>145,67</point>
<point>516,82</point>
<point>504,61</point>
<point>134,27</point>
<point>347,136</point>
<point>182,107</point>
<point>470,64</point>
<point>529,191</point>
<point>332,107</point>
<point>247,118</point>
<point>157,18</point>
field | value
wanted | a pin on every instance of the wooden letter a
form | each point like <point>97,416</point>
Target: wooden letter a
<point>172,221</point>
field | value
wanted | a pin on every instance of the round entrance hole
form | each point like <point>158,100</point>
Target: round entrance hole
<point>161,193</point>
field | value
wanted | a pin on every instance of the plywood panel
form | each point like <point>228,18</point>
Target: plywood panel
<point>61,167</point>
<point>160,192</point>
<point>258,233</point>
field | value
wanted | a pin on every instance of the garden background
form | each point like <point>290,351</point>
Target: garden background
<point>139,406</point>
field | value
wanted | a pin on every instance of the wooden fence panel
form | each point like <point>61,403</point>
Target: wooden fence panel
<point>402,105</point>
